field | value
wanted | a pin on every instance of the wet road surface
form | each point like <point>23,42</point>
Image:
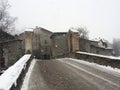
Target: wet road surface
<point>67,74</point>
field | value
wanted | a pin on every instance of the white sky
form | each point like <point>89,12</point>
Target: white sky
<point>101,17</point>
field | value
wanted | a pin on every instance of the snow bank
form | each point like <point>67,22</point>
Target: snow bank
<point>26,79</point>
<point>9,77</point>
<point>98,55</point>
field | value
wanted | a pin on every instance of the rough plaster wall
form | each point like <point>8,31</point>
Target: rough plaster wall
<point>28,41</point>
<point>61,45</point>
<point>84,45</point>
<point>75,42</point>
<point>101,51</point>
<point>39,37</point>
<point>12,52</point>
<point>100,60</point>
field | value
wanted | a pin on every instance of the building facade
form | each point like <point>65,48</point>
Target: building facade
<point>97,47</point>
<point>42,43</point>
<point>27,39</point>
<point>10,49</point>
<point>73,41</point>
<point>59,44</point>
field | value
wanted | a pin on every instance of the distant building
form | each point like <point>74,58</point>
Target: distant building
<point>100,47</point>
<point>65,43</point>
<point>59,44</point>
<point>45,44</point>
<point>4,36</point>
<point>42,43</point>
<point>97,47</point>
<point>28,41</point>
<point>10,49</point>
<point>27,38</point>
<point>84,45</point>
<point>73,41</point>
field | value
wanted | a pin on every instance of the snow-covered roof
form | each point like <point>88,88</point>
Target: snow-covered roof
<point>29,29</point>
<point>73,30</point>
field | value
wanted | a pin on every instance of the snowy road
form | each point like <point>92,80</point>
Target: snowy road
<point>71,74</point>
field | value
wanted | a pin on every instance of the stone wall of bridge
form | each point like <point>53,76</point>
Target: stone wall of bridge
<point>99,59</point>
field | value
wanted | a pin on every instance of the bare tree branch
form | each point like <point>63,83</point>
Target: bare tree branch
<point>6,21</point>
<point>83,33</point>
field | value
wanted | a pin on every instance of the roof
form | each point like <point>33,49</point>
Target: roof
<point>29,29</point>
<point>57,33</point>
<point>10,41</point>
<point>43,29</point>
<point>97,40</point>
<point>94,40</point>
<point>73,30</point>
<point>96,45</point>
<point>102,47</point>
<point>4,36</point>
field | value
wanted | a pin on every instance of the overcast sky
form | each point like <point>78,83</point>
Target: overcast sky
<point>101,17</point>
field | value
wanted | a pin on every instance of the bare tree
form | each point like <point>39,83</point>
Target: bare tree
<point>116,47</point>
<point>6,21</point>
<point>83,33</point>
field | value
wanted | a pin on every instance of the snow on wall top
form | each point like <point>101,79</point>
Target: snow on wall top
<point>9,77</point>
<point>104,56</point>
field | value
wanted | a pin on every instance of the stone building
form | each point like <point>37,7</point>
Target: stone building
<point>100,47</point>
<point>84,45</point>
<point>64,43</point>
<point>4,36</point>
<point>27,39</point>
<point>73,41</point>
<point>10,49</point>
<point>97,47</point>
<point>59,44</point>
<point>42,43</point>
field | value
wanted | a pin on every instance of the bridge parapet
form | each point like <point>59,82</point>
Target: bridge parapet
<point>11,75</point>
<point>100,59</point>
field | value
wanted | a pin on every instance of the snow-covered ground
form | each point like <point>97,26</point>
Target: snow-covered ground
<point>9,77</point>
<point>98,55</point>
<point>26,79</point>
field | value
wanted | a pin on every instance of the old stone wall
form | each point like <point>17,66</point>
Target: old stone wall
<point>28,41</point>
<point>100,60</point>
<point>59,45</point>
<point>73,41</point>
<point>84,45</point>
<point>22,38</point>
<point>41,43</point>
<point>102,51</point>
<point>11,51</point>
